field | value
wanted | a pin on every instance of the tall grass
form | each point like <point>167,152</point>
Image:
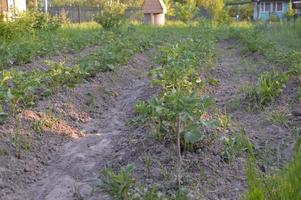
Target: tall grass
<point>284,185</point>
<point>69,38</point>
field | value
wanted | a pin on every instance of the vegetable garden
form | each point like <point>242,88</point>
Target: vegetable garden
<point>203,110</point>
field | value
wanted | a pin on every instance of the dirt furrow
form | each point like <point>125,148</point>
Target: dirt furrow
<point>75,173</point>
<point>272,142</point>
<point>93,113</point>
<point>68,59</point>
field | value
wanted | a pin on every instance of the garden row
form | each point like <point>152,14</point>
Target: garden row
<point>287,57</point>
<point>281,48</point>
<point>22,89</point>
<point>176,114</point>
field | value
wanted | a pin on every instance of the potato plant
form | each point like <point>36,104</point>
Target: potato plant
<point>176,113</point>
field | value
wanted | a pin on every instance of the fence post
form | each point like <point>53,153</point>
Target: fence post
<point>78,12</point>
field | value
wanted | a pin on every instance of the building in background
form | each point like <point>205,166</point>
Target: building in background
<point>297,6</point>
<point>154,12</point>
<point>7,5</point>
<point>265,9</point>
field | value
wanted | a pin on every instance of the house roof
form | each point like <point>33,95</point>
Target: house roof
<point>153,6</point>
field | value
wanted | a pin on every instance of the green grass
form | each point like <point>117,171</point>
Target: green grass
<point>283,185</point>
<point>69,38</point>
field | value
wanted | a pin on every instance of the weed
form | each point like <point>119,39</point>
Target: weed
<point>270,84</point>
<point>223,120</point>
<point>284,184</point>
<point>122,187</point>
<point>90,101</point>
<point>235,146</point>
<point>276,117</point>
<point>20,141</point>
<point>38,125</point>
<point>119,185</point>
<point>148,163</point>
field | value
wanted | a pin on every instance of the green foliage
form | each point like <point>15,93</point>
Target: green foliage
<point>284,184</point>
<point>269,85</point>
<point>186,11</point>
<point>290,12</point>
<point>280,44</point>
<point>119,185</point>
<point>27,22</point>
<point>112,16</point>
<point>22,89</point>
<point>246,12</point>
<point>223,18</point>
<point>179,100</point>
<point>214,7</point>
<point>235,146</point>
<point>169,7</point>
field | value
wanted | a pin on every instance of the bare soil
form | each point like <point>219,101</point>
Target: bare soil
<point>68,59</point>
<point>79,132</point>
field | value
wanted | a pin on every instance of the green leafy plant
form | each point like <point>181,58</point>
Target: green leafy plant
<point>269,85</point>
<point>176,114</point>
<point>122,187</point>
<point>186,11</point>
<point>119,185</point>
<point>235,146</point>
<point>112,16</point>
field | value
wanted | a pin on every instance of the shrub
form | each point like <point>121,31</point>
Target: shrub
<point>112,16</point>
<point>224,18</point>
<point>28,22</point>
<point>186,11</point>
<point>214,7</point>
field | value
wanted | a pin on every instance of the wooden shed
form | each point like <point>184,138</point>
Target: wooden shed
<point>154,12</point>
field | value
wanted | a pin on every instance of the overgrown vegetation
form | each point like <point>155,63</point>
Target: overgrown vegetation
<point>112,16</point>
<point>284,184</point>
<point>280,48</point>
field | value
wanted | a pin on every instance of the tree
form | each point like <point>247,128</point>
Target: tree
<point>290,12</point>
<point>170,7</point>
<point>214,7</point>
<point>186,11</point>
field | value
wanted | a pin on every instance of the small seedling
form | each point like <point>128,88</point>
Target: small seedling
<point>148,164</point>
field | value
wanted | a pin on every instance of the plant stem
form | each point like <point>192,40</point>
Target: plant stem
<point>178,126</point>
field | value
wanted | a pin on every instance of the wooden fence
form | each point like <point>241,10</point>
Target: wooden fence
<point>86,14</point>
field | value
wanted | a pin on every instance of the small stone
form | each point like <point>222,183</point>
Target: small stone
<point>26,169</point>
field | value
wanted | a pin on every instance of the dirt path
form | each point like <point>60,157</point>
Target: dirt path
<point>75,173</point>
<point>89,116</point>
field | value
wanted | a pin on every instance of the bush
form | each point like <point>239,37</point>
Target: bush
<point>112,16</point>
<point>28,22</point>
<point>224,18</point>
<point>186,11</point>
